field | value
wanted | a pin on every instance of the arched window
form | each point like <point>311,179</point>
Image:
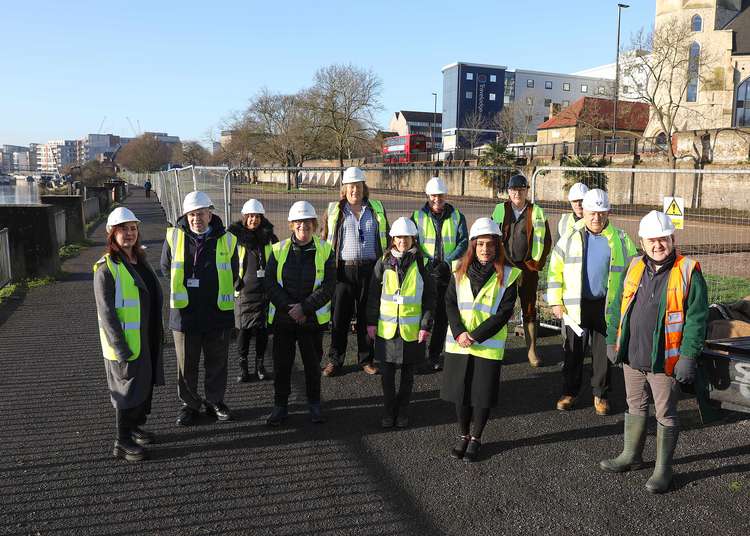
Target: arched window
<point>693,65</point>
<point>696,23</point>
<point>742,104</point>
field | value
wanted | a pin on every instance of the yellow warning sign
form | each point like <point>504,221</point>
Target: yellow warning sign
<point>674,207</point>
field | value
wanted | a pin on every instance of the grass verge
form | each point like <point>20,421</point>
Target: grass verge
<point>14,289</point>
<point>73,250</point>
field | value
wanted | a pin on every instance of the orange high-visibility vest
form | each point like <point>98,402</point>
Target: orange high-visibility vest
<point>678,288</point>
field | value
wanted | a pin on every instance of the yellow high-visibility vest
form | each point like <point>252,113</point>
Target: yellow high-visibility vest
<point>280,251</point>
<point>475,310</point>
<point>565,278</point>
<point>127,307</point>
<point>334,210</point>
<point>428,234</point>
<point>538,227</point>
<point>178,295</point>
<point>401,305</point>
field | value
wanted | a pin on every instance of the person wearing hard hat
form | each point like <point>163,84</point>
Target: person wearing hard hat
<point>575,197</point>
<point>527,241</point>
<point>128,305</point>
<point>399,317</point>
<point>356,226</point>
<point>254,238</point>
<point>301,277</point>
<point>584,285</point>
<point>660,334</point>
<point>443,239</point>
<point>200,257</point>
<point>479,303</point>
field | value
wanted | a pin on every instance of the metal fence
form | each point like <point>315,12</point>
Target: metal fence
<point>716,202</point>
<point>5,272</point>
<point>90,209</point>
<point>60,227</point>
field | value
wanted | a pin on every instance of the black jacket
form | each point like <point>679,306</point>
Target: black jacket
<point>298,277</point>
<point>489,327</point>
<point>251,306</point>
<point>202,313</point>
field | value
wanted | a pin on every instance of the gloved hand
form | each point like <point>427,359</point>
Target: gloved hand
<point>612,353</point>
<point>372,331</point>
<point>423,335</point>
<point>684,370</point>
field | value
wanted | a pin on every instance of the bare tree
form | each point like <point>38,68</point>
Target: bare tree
<point>474,128</point>
<point>672,75</point>
<point>346,99</point>
<point>145,153</point>
<point>191,153</point>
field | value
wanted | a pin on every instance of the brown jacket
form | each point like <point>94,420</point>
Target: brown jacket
<point>528,263</point>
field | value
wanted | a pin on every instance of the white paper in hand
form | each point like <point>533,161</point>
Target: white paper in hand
<point>572,325</point>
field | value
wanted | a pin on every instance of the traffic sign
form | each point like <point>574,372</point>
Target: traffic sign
<point>674,207</point>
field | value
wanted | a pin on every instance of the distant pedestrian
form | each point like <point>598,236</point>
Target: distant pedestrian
<point>660,333</point>
<point>400,309</point>
<point>575,198</point>
<point>479,303</point>
<point>443,239</point>
<point>356,226</point>
<point>201,260</point>
<point>527,241</point>
<point>147,187</point>
<point>254,237</point>
<point>128,304</point>
<point>301,277</point>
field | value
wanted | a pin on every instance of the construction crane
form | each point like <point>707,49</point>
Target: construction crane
<point>99,131</point>
<point>135,134</point>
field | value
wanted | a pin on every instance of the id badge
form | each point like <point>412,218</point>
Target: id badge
<point>399,299</point>
<point>193,282</point>
<point>260,273</point>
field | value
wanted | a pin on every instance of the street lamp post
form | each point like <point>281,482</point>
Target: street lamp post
<point>434,120</point>
<point>620,7</point>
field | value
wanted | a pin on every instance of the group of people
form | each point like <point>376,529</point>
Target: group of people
<point>425,291</point>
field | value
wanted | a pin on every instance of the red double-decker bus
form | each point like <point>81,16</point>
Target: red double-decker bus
<point>403,149</point>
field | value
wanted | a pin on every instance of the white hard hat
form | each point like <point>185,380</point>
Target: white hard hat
<point>596,200</point>
<point>353,174</point>
<point>403,227</point>
<point>195,200</point>
<point>120,215</point>
<point>301,210</point>
<point>577,191</point>
<point>484,226</point>
<point>253,206</point>
<point>436,186</point>
<point>655,224</point>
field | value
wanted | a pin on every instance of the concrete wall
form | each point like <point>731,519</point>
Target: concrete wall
<point>33,241</point>
<point>74,218</point>
<point>103,193</point>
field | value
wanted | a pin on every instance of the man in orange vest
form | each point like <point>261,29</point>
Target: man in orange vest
<point>660,335</point>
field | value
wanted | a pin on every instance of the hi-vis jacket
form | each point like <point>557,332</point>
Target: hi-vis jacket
<point>453,234</point>
<point>333,223</point>
<point>127,307</point>
<point>565,277</point>
<point>683,310</point>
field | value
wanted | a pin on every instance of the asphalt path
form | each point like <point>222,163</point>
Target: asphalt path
<point>537,473</point>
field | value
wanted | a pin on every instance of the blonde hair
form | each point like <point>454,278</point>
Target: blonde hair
<point>342,191</point>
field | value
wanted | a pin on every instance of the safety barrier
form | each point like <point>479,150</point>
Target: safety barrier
<point>714,203</point>
<point>5,272</point>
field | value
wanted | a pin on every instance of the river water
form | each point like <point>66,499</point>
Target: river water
<point>20,193</point>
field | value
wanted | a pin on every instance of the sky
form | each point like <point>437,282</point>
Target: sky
<point>186,67</point>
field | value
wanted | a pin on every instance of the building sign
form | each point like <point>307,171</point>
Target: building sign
<point>674,207</point>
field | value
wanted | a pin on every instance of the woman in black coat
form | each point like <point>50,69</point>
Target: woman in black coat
<point>392,350</point>
<point>479,303</point>
<point>254,238</point>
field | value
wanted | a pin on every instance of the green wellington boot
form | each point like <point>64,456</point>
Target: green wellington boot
<point>666,441</point>
<point>632,450</point>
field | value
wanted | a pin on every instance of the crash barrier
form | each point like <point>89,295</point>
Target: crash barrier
<point>90,209</point>
<point>715,230</point>
<point>5,272</point>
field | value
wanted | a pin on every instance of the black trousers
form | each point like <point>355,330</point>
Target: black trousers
<point>439,328</point>
<point>595,337</point>
<point>261,342</point>
<point>310,342</point>
<point>396,403</point>
<point>350,297</point>
<point>130,418</point>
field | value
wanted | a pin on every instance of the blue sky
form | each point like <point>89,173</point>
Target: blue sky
<point>183,67</point>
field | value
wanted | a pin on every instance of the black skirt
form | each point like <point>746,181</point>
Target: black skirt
<point>471,381</point>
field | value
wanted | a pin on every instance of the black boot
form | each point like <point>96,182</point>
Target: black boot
<point>472,450</point>
<point>459,449</point>
<point>125,448</point>
<point>142,437</point>
<point>244,376</point>
<point>260,370</point>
